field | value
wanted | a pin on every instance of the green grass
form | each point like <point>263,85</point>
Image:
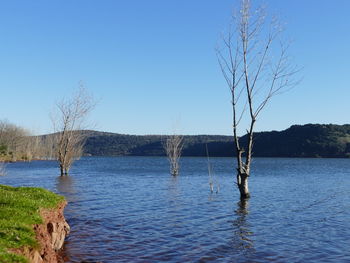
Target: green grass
<point>19,210</point>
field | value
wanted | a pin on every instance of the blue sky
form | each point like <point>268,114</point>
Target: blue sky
<point>151,64</point>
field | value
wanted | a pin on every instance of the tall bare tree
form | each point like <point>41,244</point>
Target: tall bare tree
<point>254,62</point>
<point>173,148</point>
<point>69,123</point>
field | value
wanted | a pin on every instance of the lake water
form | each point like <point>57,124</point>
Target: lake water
<point>129,209</point>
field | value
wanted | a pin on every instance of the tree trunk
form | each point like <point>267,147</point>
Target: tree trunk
<point>242,182</point>
<point>61,169</point>
<point>174,169</point>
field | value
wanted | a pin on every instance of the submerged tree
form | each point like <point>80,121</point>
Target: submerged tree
<point>69,123</point>
<point>213,182</point>
<point>173,148</point>
<point>255,65</point>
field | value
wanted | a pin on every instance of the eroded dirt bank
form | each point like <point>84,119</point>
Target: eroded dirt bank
<point>50,236</point>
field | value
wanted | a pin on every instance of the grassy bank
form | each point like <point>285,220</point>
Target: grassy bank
<point>19,210</point>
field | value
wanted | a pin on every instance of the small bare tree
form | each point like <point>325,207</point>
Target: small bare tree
<point>69,123</point>
<point>255,65</point>
<point>213,182</point>
<point>173,148</point>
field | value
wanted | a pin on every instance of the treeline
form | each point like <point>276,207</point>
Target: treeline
<point>310,140</point>
<point>18,144</point>
<point>113,144</point>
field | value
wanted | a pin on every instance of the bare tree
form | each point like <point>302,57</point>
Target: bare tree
<point>254,62</point>
<point>212,179</point>
<point>173,148</point>
<point>69,123</point>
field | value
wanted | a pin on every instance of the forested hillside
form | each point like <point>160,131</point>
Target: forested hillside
<point>311,140</point>
<point>101,143</point>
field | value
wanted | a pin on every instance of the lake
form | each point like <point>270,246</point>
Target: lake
<point>129,209</point>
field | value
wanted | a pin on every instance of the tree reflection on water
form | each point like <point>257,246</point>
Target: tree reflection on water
<point>242,233</point>
<point>65,185</point>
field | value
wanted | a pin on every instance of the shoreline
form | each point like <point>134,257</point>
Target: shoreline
<point>32,224</point>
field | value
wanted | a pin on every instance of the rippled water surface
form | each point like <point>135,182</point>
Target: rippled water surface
<point>129,209</point>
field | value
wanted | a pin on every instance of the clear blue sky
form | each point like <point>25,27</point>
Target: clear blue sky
<point>152,63</point>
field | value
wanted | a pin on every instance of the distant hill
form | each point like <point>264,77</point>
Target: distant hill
<point>113,144</point>
<point>310,140</point>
